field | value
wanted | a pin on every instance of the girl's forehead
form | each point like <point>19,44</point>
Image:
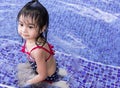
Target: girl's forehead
<point>26,19</point>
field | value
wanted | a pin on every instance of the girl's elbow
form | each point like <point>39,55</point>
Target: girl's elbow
<point>42,77</point>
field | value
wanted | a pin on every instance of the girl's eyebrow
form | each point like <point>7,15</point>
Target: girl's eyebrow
<point>31,24</point>
<point>27,23</point>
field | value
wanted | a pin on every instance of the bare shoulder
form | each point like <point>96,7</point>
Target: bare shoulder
<point>40,52</point>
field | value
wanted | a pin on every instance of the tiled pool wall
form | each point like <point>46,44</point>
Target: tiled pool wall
<point>86,36</point>
<point>82,73</point>
<point>89,29</point>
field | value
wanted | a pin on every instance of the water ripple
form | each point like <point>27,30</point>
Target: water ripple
<point>92,12</point>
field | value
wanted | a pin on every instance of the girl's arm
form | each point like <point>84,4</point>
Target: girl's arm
<point>39,56</point>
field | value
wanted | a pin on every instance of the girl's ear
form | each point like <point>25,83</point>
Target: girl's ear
<point>44,28</point>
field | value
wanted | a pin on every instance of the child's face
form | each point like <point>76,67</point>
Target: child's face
<point>27,28</point>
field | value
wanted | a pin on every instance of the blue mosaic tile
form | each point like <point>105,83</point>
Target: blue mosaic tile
<point>87,43</point>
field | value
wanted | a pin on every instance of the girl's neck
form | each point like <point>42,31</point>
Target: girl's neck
<point>38,42</point>
<point>30,41</point>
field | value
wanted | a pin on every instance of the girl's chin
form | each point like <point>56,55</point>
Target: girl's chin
<point>25,37</point>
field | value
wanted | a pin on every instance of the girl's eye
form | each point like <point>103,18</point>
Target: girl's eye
<point>31,27</point>
<point>20,24</point>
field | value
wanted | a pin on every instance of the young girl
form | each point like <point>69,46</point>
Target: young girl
<point>33,21</point>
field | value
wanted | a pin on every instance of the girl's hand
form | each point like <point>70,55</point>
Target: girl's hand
<point>27,85</point>
<point>28,82</point>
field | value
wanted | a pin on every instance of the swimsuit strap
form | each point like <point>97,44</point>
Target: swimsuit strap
<point>51,51</point>
<point>23,49</point>
<point>40,48</point>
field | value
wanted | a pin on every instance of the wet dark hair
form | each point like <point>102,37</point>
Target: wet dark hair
<point>39,14</point>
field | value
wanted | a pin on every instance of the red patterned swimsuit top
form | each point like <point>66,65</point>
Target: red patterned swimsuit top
<point>50,51</point>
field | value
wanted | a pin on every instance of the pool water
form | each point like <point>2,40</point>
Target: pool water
<point>85,35</point>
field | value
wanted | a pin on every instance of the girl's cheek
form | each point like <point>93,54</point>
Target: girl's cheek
<point>19,31</point>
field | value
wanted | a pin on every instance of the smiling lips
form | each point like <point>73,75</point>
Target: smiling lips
<point>25,35</point>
